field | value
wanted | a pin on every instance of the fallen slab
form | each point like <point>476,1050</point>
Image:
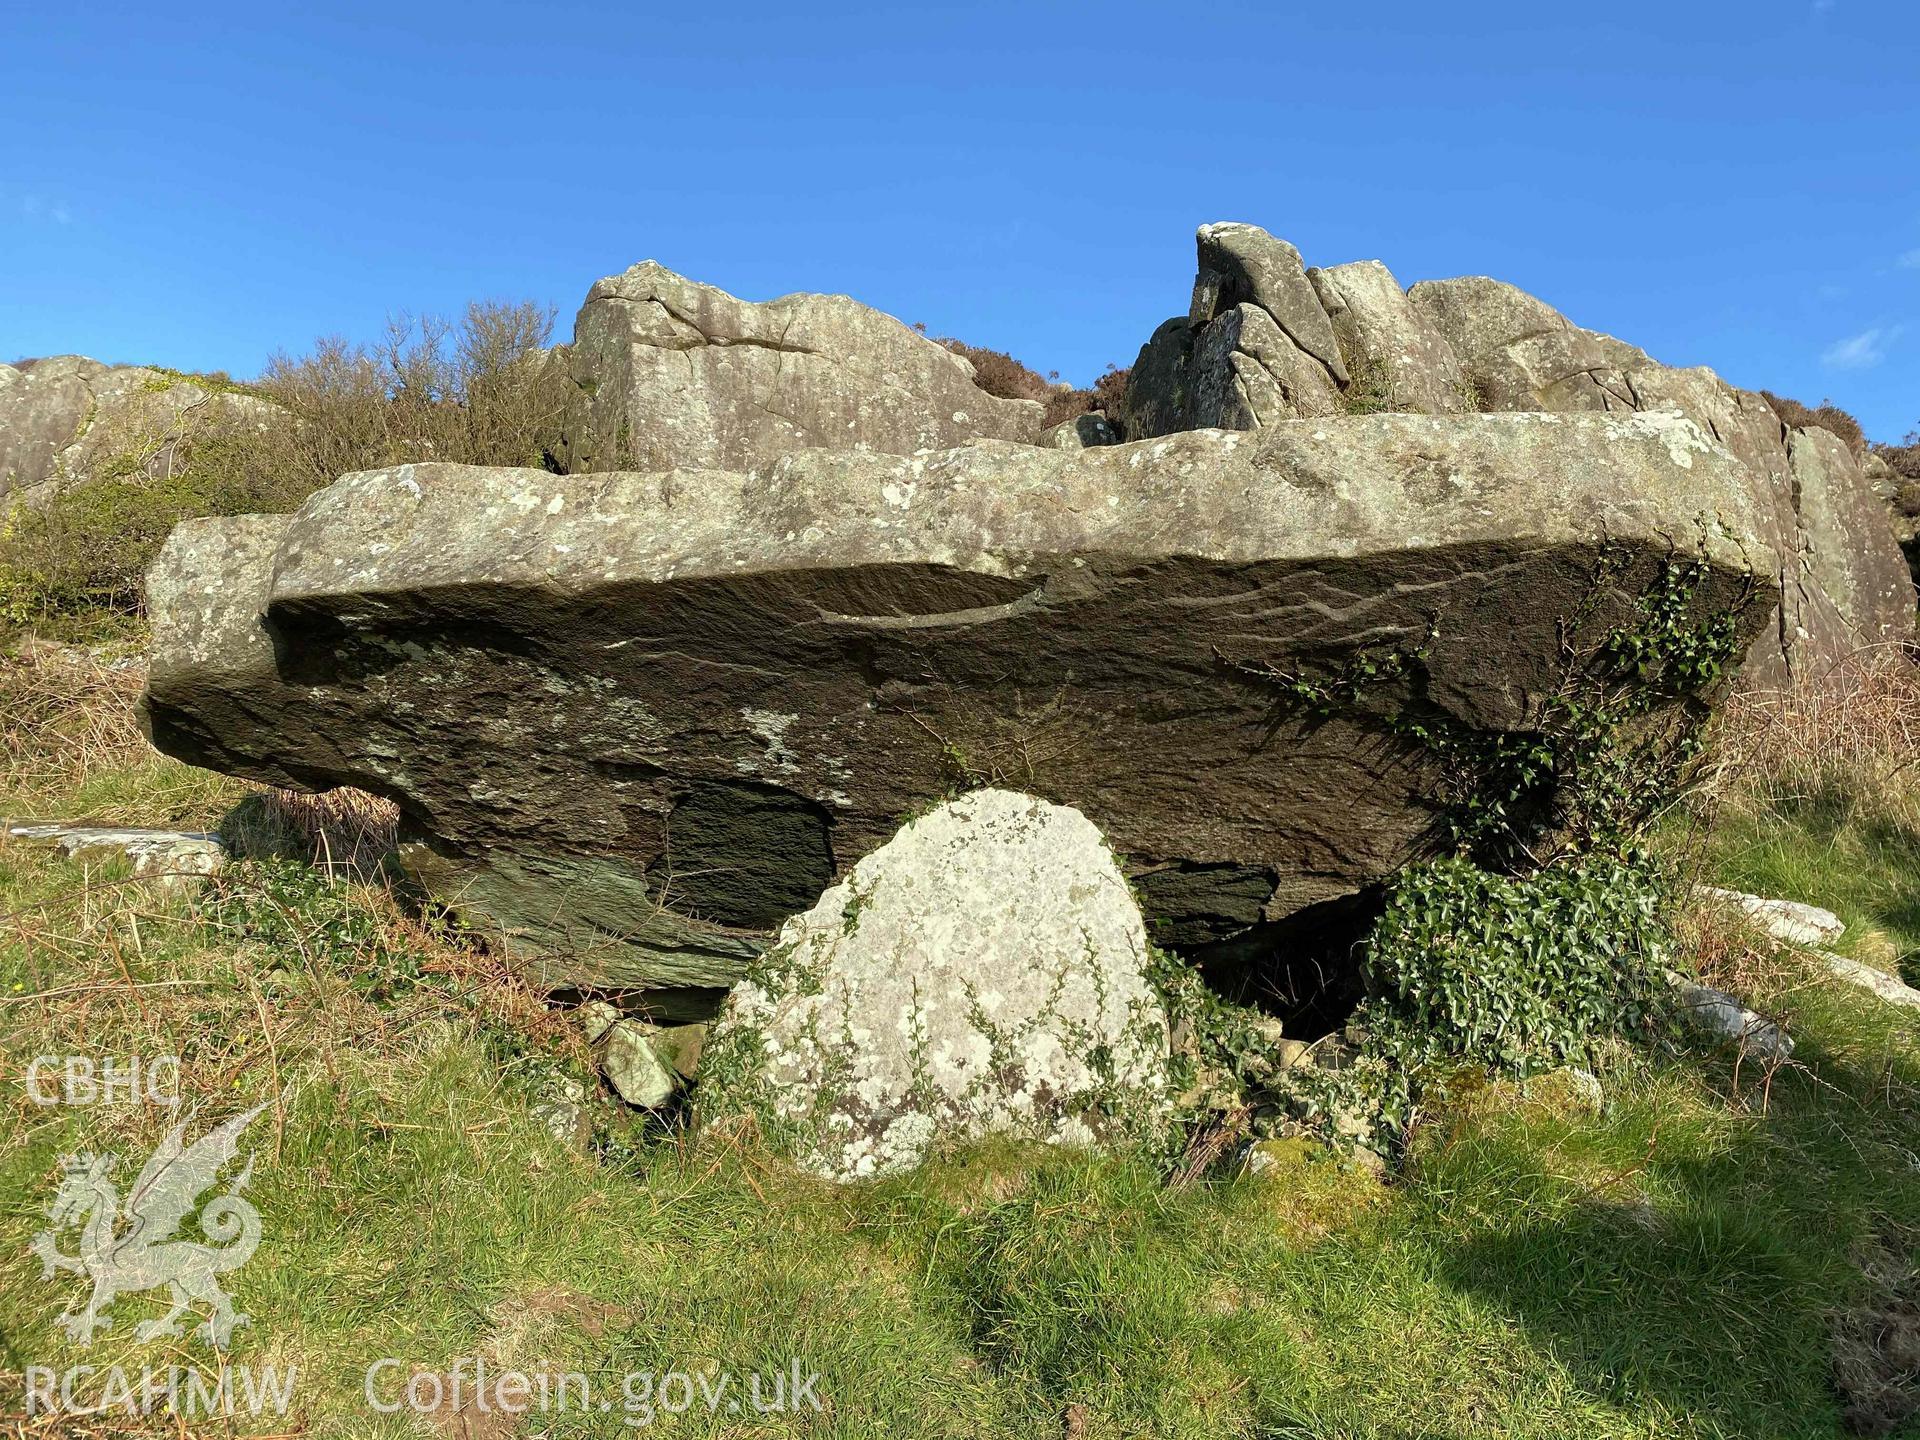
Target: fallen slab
<point>175,859</point>
<point>1787,921</point>
<point>1889,988</point>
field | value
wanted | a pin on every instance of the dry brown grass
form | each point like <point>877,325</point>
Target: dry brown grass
<point>72,748</point>
<point>66,714</point>
<point>1859,720</point>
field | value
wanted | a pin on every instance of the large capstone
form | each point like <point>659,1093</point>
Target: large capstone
<point>668,372</point>
<point>632,721</point>
<point>982,973</point>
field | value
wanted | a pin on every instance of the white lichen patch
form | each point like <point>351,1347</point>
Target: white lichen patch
<point>984,972</point>
<point>770,728</point>
<point>1681,436</point>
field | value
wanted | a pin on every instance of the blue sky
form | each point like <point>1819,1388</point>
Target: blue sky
<point>1734,184</point>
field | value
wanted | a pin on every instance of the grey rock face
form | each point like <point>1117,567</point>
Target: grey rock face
<point>1081,433</point>
<point>670,373</point>
<point>1251,353</point>
<point>633,722</point>
<point>982,973</point>
<point>1518,352</point>
<point>67,418</point>
<point>1255,347</point>
<point>1396,359</point>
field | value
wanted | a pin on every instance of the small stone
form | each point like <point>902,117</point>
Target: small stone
<point>172,861</point>
<point>1289,1053</point>
<point>1082,432</point>
<point>564,1113</point>
<point>1277,1157</point>
<point>1889,988</point>
<point>1787,921</point>
<point>635,1071</point>
<point>596,1018</point>
<point>1718,1015</point>
<point>679,1046</point>
<point>1581,1087</point>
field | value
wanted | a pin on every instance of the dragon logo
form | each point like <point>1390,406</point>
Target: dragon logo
<point>137,1250</point>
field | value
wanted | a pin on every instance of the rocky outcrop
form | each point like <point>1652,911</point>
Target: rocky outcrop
<point>1254,348</point>
<point>669,373</point>
<point>67,419</point>
<point>982,973</point>
<point>1396,360</point>
<point>1266,341</point>
<point>1519,353</point>
<point>634,722</point>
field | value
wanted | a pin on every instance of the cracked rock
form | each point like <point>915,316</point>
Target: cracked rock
<point>66,418</point>
<point>1266,341</point>
<point>669,373</point>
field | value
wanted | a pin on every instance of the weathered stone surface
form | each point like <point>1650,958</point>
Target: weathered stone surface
<point>982,973</point>
<point>1518,352</point>
<point>634,1068</point>
<point>1396,360</point>
<point>1081,433</point>
<point>1244,265</point>
<point>1785,920</point>
<point>65,419</point>
<point>1890,988</point>
<point>1850,565</point>
<point>633,720</point>
<point>173,860</point>
<point>1251,353</point>
<point>1843,581</point>
<point>673,373</point>
<point>1716,1015</point>
<point>1254,349</point>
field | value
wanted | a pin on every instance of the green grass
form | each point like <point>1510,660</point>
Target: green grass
<point>1669,1267</point>
<point>1830,846</point>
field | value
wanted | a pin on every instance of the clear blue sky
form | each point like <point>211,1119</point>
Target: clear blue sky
<point>1734,184</point>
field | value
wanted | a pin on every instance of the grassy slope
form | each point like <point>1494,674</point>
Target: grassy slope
<point>1668,1268</point>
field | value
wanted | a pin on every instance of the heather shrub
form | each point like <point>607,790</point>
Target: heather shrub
<point>1904,460</point>
<point>1828,416</point>
<point>479,392</point>
<point>1104,396</point>
<point>998,373</point>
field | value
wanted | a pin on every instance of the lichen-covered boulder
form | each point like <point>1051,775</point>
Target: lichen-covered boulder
<point>67,419</point>
<point>667,372</point>
<point>982,973</point>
